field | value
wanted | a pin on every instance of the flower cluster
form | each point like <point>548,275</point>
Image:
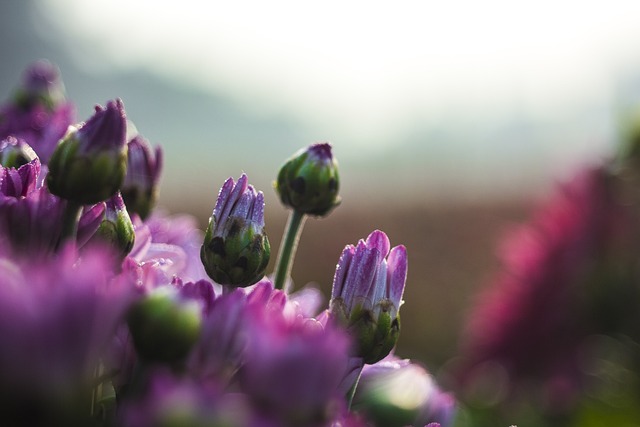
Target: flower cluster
<point>115,314</point>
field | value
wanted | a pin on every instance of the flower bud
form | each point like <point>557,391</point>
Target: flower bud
<point>41,84</point>
<point>164,327</point>
<point>308,182</point>
<point>15,153</point>
<point>140,187</point>
<point>236,250</point>
<point>367,294</point>
<point>90,162</point>
<point>395,392</point>
<point>116,228</point>
<point>19,168</point>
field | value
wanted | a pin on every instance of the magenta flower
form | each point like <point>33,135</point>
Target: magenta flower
<point>532,321</point>
<point>367,294</point>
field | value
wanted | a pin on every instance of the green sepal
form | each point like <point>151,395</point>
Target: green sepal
<point>238,256</point>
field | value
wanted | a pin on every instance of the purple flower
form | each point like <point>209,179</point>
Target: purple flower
<point>293,368</point>
<point>38,114</point>
<point>308,182</point>
<point>56,317</point>
<point>140,187</point>
<point>170,246</point>
<point>367,293</point>
<point>90,162</point>
<point>173,401</point>
<point>397,392</point>
<point>236,250</point>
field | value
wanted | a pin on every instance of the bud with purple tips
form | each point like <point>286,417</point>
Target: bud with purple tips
<point>116,228</point>
<point>90,162</point>
<point>19,168</point>
<point>140,187</point>
<point>367,294</point>
<point>308,182</point>
<point>236,250</point>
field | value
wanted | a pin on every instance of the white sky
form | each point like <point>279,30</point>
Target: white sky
<point>373,69</point>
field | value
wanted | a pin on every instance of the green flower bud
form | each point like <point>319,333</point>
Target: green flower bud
<point>90,162</point>
<point>236,250</point>
<point>116,228</point>
<point>308,182</point>
<point>164,327</point>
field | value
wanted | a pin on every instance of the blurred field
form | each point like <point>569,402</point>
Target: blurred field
<point>451,255</point>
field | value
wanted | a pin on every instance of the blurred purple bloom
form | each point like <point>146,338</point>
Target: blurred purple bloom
<point>293,369</point>
<point>397,392</point>
<point>56,317</point>
<point>38,114</point>
<point>171,244</point>
<point>140,187</point>
<point>533,319</point>
<point>173,401</point>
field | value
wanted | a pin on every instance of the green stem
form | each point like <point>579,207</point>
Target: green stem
<point>70,219</point>
<point>352,391</point>
<point>288,247</point>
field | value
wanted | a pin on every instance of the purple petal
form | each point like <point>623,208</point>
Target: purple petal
<point>379,240</point>
<point>397,274</point>
<point>341,271</point>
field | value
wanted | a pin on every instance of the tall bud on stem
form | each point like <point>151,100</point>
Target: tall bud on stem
<point>236,249</point>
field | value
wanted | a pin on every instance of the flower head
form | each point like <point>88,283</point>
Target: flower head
<point>367,294</point>
<point>236,250</point>
<point>532,322</point>
<point>38,112</point>
<point>116,228</point>
<point>308,182</point>
<point>90,162</point>
<point>397,392</point>
<point>140,187</point>
<point>164,325</point>
<point>293,369</point>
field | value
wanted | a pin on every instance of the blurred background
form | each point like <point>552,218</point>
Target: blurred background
<point>450,120</point>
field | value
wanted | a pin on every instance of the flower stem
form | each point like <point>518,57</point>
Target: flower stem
<point>70,219</point>
<point>352,391</point>
<point>288,247</point>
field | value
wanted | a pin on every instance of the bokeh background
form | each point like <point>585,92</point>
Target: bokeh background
<point>450,120</point>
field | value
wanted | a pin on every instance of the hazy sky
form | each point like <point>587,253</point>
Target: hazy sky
<point>457,96</point>
<point>372,69</point>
